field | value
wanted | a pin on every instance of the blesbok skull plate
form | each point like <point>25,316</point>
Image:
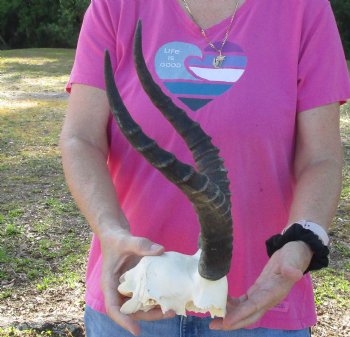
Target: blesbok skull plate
<point>172,282</point>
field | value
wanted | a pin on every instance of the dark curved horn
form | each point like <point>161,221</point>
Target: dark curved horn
<point>205,154</point>
<point>210,202</point>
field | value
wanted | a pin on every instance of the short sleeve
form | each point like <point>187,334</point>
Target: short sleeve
<point>98,33</point>
<point>323,76</point>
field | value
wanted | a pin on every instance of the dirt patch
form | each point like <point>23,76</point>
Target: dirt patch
<point>57,329</point>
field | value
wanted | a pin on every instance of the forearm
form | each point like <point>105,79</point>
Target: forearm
<point>91,185</point>
<point>317,192</point>
<point>317,166</point>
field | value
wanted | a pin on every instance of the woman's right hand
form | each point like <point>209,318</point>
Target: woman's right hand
<point>120,252</point>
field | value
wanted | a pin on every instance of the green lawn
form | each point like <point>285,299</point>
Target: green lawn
<point>44,240</point>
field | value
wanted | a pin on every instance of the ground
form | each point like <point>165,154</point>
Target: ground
<point>44,240</point>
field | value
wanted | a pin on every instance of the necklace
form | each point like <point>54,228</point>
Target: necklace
<point>218,60</point>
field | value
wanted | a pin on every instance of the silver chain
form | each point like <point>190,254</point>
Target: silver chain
<point>219,59</point>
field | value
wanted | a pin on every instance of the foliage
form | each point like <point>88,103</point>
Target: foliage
<point>56,23</point>
<point>341,9</point>
<point>40,23</point>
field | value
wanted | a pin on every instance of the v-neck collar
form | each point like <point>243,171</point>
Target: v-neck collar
<point>190,25</point>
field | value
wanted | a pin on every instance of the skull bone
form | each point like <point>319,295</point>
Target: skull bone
<point>172,282</point>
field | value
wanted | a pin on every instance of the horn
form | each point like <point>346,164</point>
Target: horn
<point>205,154</point>
<point>211,204</point>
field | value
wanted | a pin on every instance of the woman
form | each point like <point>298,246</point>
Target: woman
<point>264,79</point>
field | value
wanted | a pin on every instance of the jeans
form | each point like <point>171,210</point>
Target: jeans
<point>100,325</point>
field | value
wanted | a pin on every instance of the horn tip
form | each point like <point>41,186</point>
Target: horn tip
<point>107,58</point>
<point>138,31</point>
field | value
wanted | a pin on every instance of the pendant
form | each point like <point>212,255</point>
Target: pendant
<point>218,60</point>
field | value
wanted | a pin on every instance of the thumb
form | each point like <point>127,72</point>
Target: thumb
<point>141,247</point>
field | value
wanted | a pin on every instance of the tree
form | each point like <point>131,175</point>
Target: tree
<point>341,10</point>
<point>56,23</point>
<point>40,23</point>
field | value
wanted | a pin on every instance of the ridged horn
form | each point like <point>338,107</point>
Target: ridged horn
<point>205,154</point>
<point>211,204</point>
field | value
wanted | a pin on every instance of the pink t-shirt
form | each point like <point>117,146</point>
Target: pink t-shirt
<point>282,57</point>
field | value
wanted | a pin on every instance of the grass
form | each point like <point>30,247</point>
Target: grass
<point>43,239</point>
<point>24,333</point>
<point>334,286</point>
<point>48,67</point>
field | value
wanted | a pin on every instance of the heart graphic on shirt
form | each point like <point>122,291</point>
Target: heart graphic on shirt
<point>188,73</point>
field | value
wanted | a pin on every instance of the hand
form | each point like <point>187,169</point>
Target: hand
<point>121,251</point>
<point>285,267</point>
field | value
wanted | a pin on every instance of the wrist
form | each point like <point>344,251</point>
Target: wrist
<point>296,233</point>
<point>306,254</point>
<point>111,233</point>
<point>298,253</point>
<point>111,226</point>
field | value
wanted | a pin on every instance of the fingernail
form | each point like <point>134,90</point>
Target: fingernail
<point>155,247</point>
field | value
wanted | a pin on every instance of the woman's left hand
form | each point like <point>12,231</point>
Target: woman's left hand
<point>285,267</point>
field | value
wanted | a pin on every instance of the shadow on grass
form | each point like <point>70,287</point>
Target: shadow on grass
<point>40,53</point>
<point>26,64</point>
<point>16,70</point>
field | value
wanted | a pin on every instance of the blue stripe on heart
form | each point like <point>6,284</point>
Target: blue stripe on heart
<point>197,89</point>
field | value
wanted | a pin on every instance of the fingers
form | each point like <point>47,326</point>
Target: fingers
<point>245,322</point>
<point>245,313</point>
<point>217,323</point>
<point>248,311</point>
<point>113,303</point>
<point>141,246</point>
<point>221,324</point>
<point>269,290</point>
<point>129,322</point>
<point>123,320</point>
<point>119,255</point>
<point>122,242</point>
<point>252,306</point>
<point>153,315</point>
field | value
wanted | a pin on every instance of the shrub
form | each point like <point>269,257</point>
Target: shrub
<point>40,23</point>
<point>341,9</point>
<point>56,23</point>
